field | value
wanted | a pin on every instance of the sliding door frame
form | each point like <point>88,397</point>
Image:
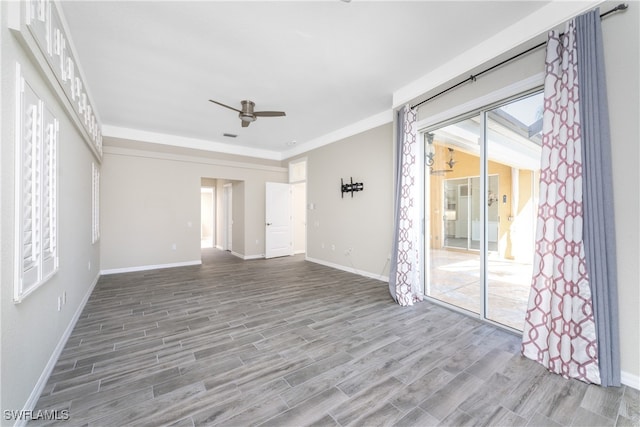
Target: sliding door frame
<point>482,107</point>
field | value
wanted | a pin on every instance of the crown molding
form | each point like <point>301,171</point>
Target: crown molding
<point>131,152</point>
<point>186,142</point>
<point>370,122</point>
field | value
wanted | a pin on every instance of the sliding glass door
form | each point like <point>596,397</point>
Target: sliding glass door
<point>481,188</point>
<point>452,205</point>
<point>513,134</point>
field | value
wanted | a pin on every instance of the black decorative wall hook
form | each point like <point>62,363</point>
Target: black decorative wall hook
<point>351,187</point>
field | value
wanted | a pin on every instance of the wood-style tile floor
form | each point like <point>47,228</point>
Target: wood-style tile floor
<point>285,342</point>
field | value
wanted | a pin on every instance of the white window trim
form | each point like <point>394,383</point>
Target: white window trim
<point>95,203</point>
<point>499,95</point>
<point>292,165</point>
<point>44,224</point>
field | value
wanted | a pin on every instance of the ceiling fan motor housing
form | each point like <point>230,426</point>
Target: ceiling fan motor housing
<point>247,111</point>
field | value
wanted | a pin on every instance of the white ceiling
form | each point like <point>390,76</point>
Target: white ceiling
<point>151,66</point>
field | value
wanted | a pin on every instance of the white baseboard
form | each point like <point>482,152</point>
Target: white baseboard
<point>149,267</point>
<point>247,257</point>
<point>31,402</point>
<point>349,269</point>
<point>630,380</point>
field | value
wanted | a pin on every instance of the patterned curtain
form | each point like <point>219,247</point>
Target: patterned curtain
<point>404,274</point>
<point>559,330</point>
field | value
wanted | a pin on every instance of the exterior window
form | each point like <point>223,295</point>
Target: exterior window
<point>36,191</point>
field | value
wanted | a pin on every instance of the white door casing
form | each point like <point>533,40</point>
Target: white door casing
<point>228,217</point>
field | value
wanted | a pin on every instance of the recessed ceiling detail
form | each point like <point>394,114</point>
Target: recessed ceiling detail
<point>152,65</point>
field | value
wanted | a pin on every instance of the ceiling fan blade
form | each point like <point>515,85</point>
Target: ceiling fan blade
<point>245,124</point>
<point>226,106</point>
<point>269,113</point>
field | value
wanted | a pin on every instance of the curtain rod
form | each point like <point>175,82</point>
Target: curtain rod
<point>473,77</point>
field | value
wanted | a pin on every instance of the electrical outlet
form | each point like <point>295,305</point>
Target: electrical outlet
<point>333,247</point>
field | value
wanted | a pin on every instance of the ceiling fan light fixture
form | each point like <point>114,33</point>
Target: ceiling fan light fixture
<point>247,117</point>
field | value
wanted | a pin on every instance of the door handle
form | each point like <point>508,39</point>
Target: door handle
<point>268,223</point>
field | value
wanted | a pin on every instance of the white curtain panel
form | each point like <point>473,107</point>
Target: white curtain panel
<point>559,330</point>
<point>404,280</point>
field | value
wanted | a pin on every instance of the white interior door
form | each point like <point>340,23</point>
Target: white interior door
<point>278,220</point>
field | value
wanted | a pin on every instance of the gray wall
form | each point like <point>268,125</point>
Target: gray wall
<point>220,232</point>
<point>362,223</point>
<point>622,54</point>
<point>31,330</point>
<point>151,201</point>
<point>147,207</point>
<point>239,210</point>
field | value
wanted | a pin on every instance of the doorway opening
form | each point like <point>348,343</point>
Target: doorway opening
<point>461,224</point>
<point>207,217</point>
<point>216,213</point>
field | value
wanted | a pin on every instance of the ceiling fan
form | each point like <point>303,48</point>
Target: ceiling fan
<point>441,172</point>
<point>247,115</point>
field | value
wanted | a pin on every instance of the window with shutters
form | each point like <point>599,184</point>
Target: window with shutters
<point>36,191</point>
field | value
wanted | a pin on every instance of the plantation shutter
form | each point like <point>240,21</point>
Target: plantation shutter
<point>36,192</point>
<point>30,187</point>
<point>49,185</point>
